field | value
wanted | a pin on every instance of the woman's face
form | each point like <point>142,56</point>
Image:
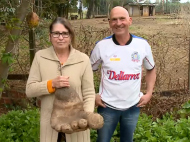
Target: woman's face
<point>60,37</point>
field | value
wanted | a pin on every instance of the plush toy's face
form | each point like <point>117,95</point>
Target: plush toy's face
<point>68,115</point>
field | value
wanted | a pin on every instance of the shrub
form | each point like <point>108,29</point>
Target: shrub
<point>166,129</point>
<point>20,126</point>
<point>24,126</point>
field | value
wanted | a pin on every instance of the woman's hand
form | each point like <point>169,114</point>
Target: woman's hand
<point>60,81</point>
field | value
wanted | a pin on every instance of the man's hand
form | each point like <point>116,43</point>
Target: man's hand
<point>144,100</point>
<point>99,102</point>
<point>60,81</point>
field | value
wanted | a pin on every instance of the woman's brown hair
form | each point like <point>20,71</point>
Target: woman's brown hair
<point>67,25</point>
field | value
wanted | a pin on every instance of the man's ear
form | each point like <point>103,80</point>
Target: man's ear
<point>109,22</point>
<point>130,21</point>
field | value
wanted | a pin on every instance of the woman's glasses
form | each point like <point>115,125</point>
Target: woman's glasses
<point>57,34</point>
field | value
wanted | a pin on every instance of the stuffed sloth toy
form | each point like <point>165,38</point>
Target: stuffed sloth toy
<point>68,115</point>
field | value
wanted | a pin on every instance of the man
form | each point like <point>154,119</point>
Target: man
<point>122,56</point>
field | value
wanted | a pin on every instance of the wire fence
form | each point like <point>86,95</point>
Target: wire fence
<point>171,54</point>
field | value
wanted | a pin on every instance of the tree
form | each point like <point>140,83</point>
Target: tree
<point>90,9</point>
<point>174,1</point>
<point>10,48</point>
<point>7,9</point>
<point>55,8</point>
<point>102,7</point>
<point>80,9</point>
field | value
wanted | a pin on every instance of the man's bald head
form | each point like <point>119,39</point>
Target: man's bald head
<point>119,9</point>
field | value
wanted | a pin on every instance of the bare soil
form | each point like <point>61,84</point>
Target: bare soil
<point>147,25</point>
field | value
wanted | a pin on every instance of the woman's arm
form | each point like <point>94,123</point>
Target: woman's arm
<point>35,87</point>
<point>88,91</point>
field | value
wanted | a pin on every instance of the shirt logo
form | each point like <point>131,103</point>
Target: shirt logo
<point>135,57</point>
<point>114,58</point>
<point>122,76</point>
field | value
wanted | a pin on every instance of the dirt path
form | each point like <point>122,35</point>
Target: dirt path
<point>146,25</point>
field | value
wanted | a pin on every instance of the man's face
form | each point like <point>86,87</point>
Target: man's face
<point>120,21</point>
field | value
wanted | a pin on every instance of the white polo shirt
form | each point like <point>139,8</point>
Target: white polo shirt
<point>121,70</point>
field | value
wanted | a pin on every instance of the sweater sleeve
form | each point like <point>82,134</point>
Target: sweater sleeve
<point>35,87</point>
<point>49,86</point>
<point>88,88</point>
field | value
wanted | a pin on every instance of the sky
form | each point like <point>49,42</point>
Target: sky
<point>182,1</point>
<point>152,1</point>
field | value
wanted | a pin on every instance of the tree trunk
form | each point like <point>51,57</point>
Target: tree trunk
<point>90,9</point>
<point>122,3</point>
<point>108,9</point>
<point>60,10</point>
<point>80,9</point>
<point>38,7</point>
<point>33,6</point>
<point>11,44</point>
<point>41,8</point>
<point>163,6</point>
<point>63,10</point>
<point>93,11</point>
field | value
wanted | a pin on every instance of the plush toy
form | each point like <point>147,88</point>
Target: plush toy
<point>68,115</point>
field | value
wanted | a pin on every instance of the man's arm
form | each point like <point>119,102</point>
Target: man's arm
<point>96,60</point>
<point>150,81</point>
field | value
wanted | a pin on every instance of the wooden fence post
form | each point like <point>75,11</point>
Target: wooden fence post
<point>32,44</point>
<point>189,69</point>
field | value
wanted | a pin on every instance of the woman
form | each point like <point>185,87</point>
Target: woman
<point>60,66</point>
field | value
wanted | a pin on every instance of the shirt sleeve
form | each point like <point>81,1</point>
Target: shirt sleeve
<point>148,61</point>
<point>95,58</point>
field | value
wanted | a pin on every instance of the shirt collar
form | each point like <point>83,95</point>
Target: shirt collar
<point>117,43</point>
